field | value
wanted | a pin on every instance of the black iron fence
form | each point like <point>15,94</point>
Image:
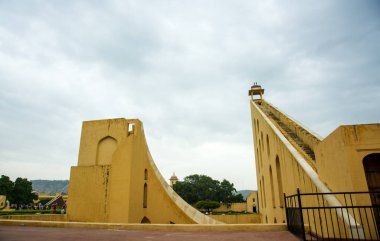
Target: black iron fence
<point>334,216</point>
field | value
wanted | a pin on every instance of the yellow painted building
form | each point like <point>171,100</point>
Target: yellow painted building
<point>250,205</point>
<point>173,179</point>
<point>3,200</point>
<point>44,196</point>
<point>117,181</point>
<point>252,202</point>
<point>290,156</point>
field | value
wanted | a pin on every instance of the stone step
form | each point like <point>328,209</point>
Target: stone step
<point>306,149</point>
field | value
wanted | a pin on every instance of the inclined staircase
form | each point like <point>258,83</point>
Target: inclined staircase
<point>288,133</point>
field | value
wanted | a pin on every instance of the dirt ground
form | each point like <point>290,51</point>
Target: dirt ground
<point>21,233</point>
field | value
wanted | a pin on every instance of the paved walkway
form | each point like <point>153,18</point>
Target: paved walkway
<point>13,233</point>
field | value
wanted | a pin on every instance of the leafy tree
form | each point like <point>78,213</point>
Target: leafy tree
<point>196,188</point>
<point>6,186</point>
<point>237,198</point>
<point>227,192</point>
<point>207,204</point>
<point>22,192</point>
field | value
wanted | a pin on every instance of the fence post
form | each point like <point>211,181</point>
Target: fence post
<point>301,215</point>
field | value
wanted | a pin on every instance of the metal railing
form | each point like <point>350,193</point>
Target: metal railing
<point>310,217</point>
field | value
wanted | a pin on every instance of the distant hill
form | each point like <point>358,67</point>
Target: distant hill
<point>50,186</point>
<point>245,192</point>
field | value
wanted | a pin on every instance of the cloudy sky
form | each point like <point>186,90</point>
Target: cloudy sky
<point>183,68</point>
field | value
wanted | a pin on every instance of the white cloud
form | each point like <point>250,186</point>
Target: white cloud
<point>184,69</point>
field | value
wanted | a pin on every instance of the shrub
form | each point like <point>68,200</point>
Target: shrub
<point>207,204</point>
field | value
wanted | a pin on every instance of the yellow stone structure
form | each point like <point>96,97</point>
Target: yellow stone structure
<point>173,179</point>
<point>290,156</point>
<point>41,196</point>
<point>116,180</point>
<point>249,218</point>
<point>252,202</point>
<point>3,200</point>
<point>231,207</point>
<point>250,205</point>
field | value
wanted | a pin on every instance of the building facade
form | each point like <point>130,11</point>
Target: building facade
<point>289,157</point>
<point>117,181</point>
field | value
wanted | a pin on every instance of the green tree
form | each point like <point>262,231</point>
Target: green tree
<point>227,193</point>
<point>237,198</point>
<point>6,186</point>
<point>22,192</point>
<point>207,204</point>
<point>196,188</point>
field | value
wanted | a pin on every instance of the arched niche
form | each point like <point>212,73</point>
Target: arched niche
<point>279,181</point>
<point>272,187</point>
<point>105,150</point>
<point>145,197</point>
<point>264,196</point>
<point>371,164</point>
<point>145,220</point>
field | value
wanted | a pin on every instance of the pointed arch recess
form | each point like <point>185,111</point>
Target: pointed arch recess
<point>105,149</point>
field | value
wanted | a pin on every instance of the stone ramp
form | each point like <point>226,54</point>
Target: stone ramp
<point>30,233</point>
<point>288,132</point>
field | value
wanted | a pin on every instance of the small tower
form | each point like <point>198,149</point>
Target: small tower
<point>173,179</point>
<point>256,90</point>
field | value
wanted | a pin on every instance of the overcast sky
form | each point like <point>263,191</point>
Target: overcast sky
<point>184,69</point>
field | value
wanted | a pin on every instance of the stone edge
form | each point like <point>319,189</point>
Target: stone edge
<point>149,227</point>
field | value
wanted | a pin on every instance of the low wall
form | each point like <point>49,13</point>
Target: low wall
<point>151,227</point>
<point>232,222</point>
<point>236,207</point>
<point>237,219</point>
<point>37,217</point>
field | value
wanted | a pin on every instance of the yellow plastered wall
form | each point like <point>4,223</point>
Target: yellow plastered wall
<point>3,200</point>
<point>93,132</point>
<point>338,163</point>
<point>276,169</point>
<point>237,219</point>
<point>252,200</point>
<point>340,157</point>
<point>88,193</point>
<point>235,207</point>
<point>118,181</point>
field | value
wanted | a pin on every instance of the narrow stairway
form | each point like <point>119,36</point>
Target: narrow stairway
<point>289,133</point>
